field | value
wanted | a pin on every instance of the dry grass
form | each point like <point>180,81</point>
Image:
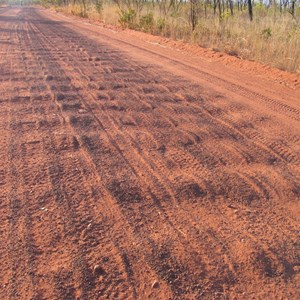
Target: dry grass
<point>268,40</point>
<point>271,38</point>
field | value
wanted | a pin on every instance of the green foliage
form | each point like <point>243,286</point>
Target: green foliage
<point>127,18</point>
<point>294,31</point>
<point>147,22</point>
<point>99,6</point>
<point>266,33</point>
<point>259,6</point>
<point>160,24</point>
<point>225,15</point>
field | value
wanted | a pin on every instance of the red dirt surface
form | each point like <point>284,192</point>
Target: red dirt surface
<point>130,171</point>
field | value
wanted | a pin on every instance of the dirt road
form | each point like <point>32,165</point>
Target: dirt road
<point>130,171</point>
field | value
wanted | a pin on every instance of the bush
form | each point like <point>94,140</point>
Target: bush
<point>160,24</point>
<point>99,6</point>
<point>127,18</point>
<point>147,22</point>
<point>266,33</point>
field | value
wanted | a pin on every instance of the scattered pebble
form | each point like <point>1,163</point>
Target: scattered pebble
<point>49,77</point>
<point>155,284</point>
<point>98,270</point>
<point>231,206</point>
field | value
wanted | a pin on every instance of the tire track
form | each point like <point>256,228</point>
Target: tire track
<point>184,161</point>
<point>61,192</point>
<point>98,155</point>
<point>102,118</point>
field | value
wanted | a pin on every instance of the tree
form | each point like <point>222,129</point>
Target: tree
<point>250,9</point>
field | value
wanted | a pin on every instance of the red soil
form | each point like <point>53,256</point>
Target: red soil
<point>132,171</point>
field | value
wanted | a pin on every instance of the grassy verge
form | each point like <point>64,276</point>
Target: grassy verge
<point>273,38</point>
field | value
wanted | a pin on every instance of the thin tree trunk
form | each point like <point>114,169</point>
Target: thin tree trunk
<point>250,10</point>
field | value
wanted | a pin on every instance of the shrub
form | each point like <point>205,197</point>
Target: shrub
<point>266,33</point>
<point>160,24</point>
<point>147,22</point>
<point>99,6</point>
<point>127,18</point>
